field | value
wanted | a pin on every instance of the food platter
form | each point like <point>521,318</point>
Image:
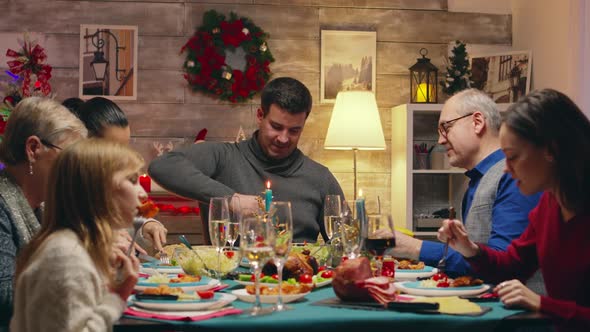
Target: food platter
<point>243,295</point>
<point>414,288</point>
<point>248,283</point>
<point>218,301</point>
<point>412,275</point>
<point>206,283</point>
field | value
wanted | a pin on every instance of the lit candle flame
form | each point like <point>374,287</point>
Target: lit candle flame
<point>360,193</point>
<point>268,184</point>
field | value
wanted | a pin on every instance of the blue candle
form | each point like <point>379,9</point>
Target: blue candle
<point>267,196</point>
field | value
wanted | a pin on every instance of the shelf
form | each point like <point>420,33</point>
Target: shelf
<point>438,171</point>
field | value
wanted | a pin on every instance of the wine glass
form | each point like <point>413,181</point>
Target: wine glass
<point>256,244</point>
<point>332,213</point>
<point>233,226</point>
<point>282,222</point>
<point>218,220</point>
<point>351,235</point>
<point>380,236</point>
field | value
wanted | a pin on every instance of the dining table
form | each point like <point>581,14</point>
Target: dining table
<point>309,315</point>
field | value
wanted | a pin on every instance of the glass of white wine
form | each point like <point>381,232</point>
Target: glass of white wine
<point>257,239</point>
<point>282,221</point>
<point>233,226</point>
<point>218,221</point>
<point>332,215</point>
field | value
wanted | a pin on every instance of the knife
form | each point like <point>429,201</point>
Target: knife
<point>397,306</point>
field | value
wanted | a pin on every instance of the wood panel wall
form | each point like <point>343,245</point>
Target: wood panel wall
<point>166,111</point>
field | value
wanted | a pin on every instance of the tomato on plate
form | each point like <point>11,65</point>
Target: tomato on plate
<point>322,268</point>
<point>327,274</point>
<point>205,295</point>
<point>305,279</point>
<point>275,276</point>
<point>253,277</point>
<point>229,254</point>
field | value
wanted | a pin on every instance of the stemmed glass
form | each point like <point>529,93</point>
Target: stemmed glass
<point>380,236</point>
<point>350,232</point>
<point>218,220</point>
<point>332,214</point>
<point>233,226</point>
<point>257,239</point>
<point>282,221</point>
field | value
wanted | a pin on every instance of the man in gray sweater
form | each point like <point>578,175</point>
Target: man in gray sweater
<point>211,169</point>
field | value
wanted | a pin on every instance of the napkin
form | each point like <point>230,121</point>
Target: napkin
<point>453,305</point>
<point>187,316</point>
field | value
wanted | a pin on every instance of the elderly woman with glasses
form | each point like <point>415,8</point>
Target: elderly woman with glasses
<point>37,130</point>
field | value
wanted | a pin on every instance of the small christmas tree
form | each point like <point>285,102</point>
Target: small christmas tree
<point>458,76</point>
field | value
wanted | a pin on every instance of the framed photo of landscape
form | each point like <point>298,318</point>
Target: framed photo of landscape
<point>505,77</point>
<point>347,62</point>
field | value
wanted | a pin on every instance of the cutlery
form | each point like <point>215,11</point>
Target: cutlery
<point>148,258</point>
<point>141,296</point>
<point>137,225</point>
<point>184,241</point>
<point>442,264</point>
<point>164,259</point>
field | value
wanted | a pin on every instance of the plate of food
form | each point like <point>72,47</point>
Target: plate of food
<point>151,268</point>
<point>407,270</point>
<point>321,279</point>
<point>175,299</point>
<point>269,295</point>
<point>184,282</point>
<point>443,286</point>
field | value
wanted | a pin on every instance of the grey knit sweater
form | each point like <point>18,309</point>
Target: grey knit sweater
<point>209,169</point>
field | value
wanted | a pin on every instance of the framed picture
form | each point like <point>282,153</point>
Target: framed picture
<point>347,62</point>
<point>505,77</point>
<point>108,61</point>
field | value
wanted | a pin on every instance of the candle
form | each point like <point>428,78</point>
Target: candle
<point>146,182</point>
<point>360,208</point>
<point>267,196</point>
<point>424,93</point>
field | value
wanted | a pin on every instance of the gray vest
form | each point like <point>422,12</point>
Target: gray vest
<point>479,217</point>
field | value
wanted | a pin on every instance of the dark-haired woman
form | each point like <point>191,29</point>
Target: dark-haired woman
<point>546,139</point>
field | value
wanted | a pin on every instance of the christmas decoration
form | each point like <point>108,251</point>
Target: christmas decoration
<point>458,75</point>
<point>205,66</point>
<point>27,76</point>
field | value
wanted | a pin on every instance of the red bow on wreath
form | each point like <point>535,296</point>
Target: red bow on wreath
<point>30,61</point>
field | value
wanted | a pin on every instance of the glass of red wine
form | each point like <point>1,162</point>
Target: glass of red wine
<point>380,236</point>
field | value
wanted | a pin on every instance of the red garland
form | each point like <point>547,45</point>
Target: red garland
<point>184,210</point>
<point>28,62</point>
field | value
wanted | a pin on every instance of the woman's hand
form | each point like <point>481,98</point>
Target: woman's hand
<point>516,295</point>
<point>454,232</point>
<point>127,273</point>
<point>123,241</point>
<point>155,232</point>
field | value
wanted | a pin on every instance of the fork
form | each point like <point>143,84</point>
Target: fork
<point>164,258</point>
<point>442,264</point>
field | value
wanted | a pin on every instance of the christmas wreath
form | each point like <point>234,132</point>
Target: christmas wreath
<point>205,65</point>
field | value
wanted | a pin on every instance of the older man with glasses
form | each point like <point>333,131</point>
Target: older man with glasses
<point>493,209</point>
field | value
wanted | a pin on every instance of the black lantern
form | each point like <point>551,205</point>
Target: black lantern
<point>99,64</point>
<point>423,80</point>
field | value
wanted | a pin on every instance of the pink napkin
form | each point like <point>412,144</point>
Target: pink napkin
<point>219,313</point>
<point>219,287</point>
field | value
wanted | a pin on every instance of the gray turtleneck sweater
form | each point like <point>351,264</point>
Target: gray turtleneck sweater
<point>211,169</point>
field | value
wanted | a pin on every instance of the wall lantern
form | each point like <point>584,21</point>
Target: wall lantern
<point>99,64</point>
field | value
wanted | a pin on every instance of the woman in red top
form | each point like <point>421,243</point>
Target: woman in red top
<point>545,137</point>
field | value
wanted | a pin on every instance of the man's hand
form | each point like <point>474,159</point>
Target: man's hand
<point>250,204</point>
<point>155,232</point>
<point>453,231</point>
<point>406,246</point>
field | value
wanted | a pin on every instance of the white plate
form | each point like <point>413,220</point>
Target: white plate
<point>205,284</point>
<point>411,275</point>
<point>220,300</point>
<point>243,295</point>
<point>151,268</point>
<point>247,283</point>
<point>413,288</point>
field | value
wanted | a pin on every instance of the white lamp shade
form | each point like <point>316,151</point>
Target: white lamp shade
<point>355,123</point>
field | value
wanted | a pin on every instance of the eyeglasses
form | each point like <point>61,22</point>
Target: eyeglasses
<point>443,127</point>
<point>51,145</point>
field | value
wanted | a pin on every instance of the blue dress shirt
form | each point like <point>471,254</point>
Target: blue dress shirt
<point>509,217</point>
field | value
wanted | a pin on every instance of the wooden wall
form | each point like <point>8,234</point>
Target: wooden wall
<point>166,111</point>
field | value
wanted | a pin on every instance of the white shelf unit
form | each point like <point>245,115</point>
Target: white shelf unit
<point>420,191</point>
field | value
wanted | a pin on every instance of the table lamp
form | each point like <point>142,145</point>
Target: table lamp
<point>355,125</point>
